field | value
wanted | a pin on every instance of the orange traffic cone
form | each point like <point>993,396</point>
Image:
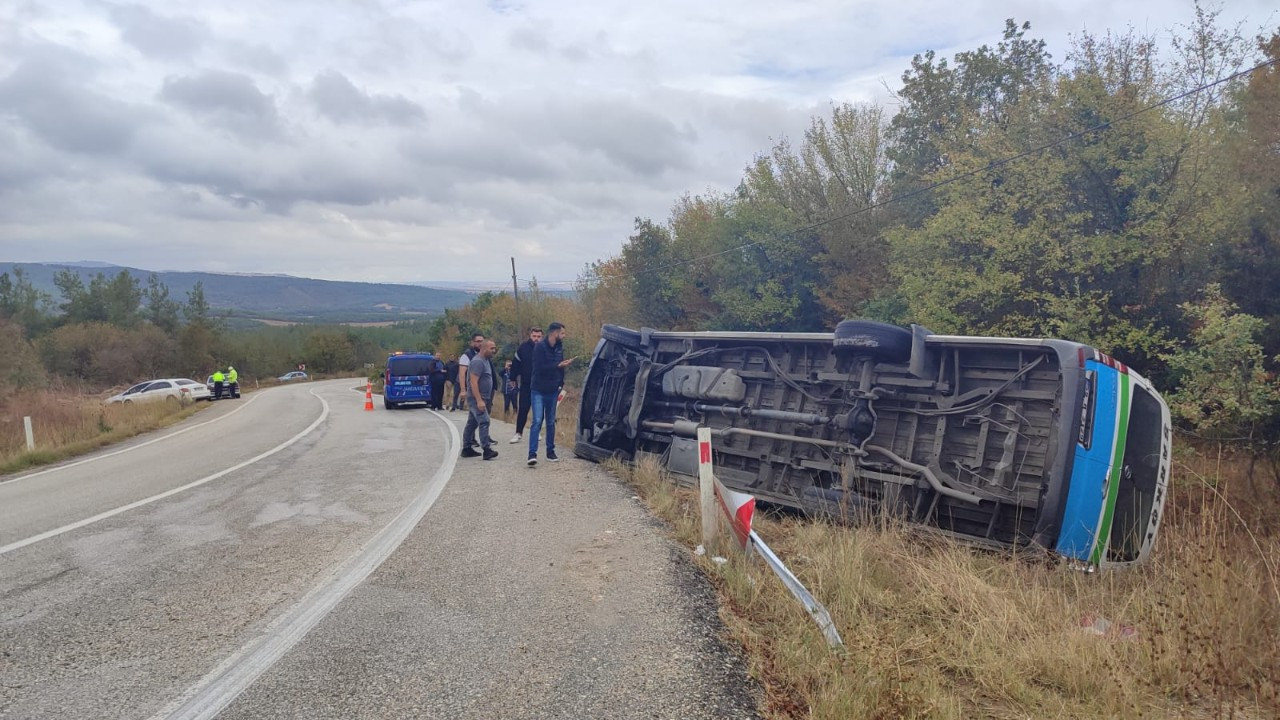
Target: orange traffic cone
<point>368,397</point>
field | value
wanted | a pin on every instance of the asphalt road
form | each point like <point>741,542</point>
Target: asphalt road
<point>290,555</point>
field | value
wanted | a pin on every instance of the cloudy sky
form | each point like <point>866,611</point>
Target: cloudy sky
<point>419,140</point>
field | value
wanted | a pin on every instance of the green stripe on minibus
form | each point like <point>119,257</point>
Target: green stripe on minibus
<point>1113,478</point>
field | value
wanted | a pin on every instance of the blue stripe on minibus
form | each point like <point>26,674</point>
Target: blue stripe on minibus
<point>1089,471</point>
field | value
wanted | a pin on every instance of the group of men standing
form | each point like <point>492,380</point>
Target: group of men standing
<point>537,371</point>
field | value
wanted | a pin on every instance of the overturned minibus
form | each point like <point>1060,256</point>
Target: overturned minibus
<point>1011,442</point>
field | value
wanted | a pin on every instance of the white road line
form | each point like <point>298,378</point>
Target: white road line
<point>221,686</point>
<point>169,493</point>
<point>132,447</point>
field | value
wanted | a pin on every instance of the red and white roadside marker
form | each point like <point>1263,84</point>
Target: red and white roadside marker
<point>738,508</point>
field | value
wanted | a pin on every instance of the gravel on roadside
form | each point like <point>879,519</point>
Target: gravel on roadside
<point>546,592</point>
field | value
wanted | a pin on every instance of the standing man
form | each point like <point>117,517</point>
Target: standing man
<point>233,382</point>
<point>451,376</point>
<point>522,373</point>
<point>477,340</point>
<point>548,378</point>
<point>218,380</point>
<point>508,390</point>
<point>437,384</point>
<point>479,400</point>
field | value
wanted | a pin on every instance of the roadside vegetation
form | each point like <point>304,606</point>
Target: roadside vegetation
<point>937,629</point>
<point>68,424</point>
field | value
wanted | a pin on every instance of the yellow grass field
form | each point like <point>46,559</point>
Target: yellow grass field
<point>938,629</point>
<point>67,424</point>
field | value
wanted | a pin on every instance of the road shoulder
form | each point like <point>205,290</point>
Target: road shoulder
<point>524,593</point>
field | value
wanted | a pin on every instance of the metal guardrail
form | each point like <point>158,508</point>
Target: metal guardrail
<point>737,508</point>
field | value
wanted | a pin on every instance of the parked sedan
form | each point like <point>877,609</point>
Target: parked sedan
<point>295,375</point>
<point>175,389</point>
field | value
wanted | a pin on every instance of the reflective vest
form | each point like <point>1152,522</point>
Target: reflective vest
<point>218,376</point>
<point>232,375</point>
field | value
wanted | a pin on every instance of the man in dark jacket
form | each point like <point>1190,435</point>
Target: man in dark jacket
<point>451,376</point>
<point>548,377</point>
<point>437,384</point>
<point>522,373</point>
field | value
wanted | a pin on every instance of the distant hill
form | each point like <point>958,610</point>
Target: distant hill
<point>276,297</point>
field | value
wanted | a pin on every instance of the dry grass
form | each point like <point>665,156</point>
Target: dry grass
<point>937,629</point>
<point>66,424</point>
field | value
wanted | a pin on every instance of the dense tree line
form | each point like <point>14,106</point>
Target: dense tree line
<point>113,331</point>
<point>1100,199</point>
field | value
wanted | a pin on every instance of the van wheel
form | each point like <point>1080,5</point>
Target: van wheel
<point>868,337</point>
<point>387,404</point>
<point>620,335</point>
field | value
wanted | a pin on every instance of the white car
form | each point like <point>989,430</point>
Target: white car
<point>174,389</point>
<point>295,375</point>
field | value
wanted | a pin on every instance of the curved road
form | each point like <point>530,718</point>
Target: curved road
<point>223,565</point>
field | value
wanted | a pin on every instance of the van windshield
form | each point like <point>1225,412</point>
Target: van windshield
<point>1139,474</point>
<point>402,366</point>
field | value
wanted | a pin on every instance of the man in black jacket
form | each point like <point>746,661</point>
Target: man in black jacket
<point>451,376</point>
<point>437,384</point>
<point>544,390</point>
<point>522,373</point>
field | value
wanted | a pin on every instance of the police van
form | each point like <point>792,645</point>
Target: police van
<point>408,379</point>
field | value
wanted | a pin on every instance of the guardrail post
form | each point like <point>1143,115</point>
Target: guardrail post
<point>31,438</point>
<point>738,508</point>
<point>707,491</point>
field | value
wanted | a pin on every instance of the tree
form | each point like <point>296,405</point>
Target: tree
<point>196,309</point>
<point>1095,239</point>
<point>831,183</point>
<point>162,311</point>
<point>21,302</point>
<point>1253,262</point>
<point>104,354</point>
<point>940,103</point>
<point>77,306</point>
<point>1224,390</point>
<point>121,296</point>
<point>651,271</point>
<point>329,351</point>
<point>19,362</point>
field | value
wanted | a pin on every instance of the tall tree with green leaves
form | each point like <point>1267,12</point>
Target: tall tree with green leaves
<point>162,310</point>
<point>21,302</point>
<point>941,102</point>
<point>652,271</point>
<point>820,200</point>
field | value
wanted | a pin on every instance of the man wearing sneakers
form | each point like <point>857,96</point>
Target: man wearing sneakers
<point>479,400</point>
<point>522,373</point>
<point>548,378</point>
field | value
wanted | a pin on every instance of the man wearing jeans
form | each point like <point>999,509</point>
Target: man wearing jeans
<point>522,371</point>
<point>548,377</point>
<point>479,400</point>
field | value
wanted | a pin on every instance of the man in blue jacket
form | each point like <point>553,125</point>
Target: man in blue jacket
<point>548,377</point>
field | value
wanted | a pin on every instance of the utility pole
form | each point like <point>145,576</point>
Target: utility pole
<point>515,293</point>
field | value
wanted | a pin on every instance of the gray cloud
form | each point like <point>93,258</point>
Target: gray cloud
<point>254,56</point>
<point>338,99</point>
<point>231,100</point>
<point>44,95</point>
<point>381,128</point>
<point>156,35</point>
